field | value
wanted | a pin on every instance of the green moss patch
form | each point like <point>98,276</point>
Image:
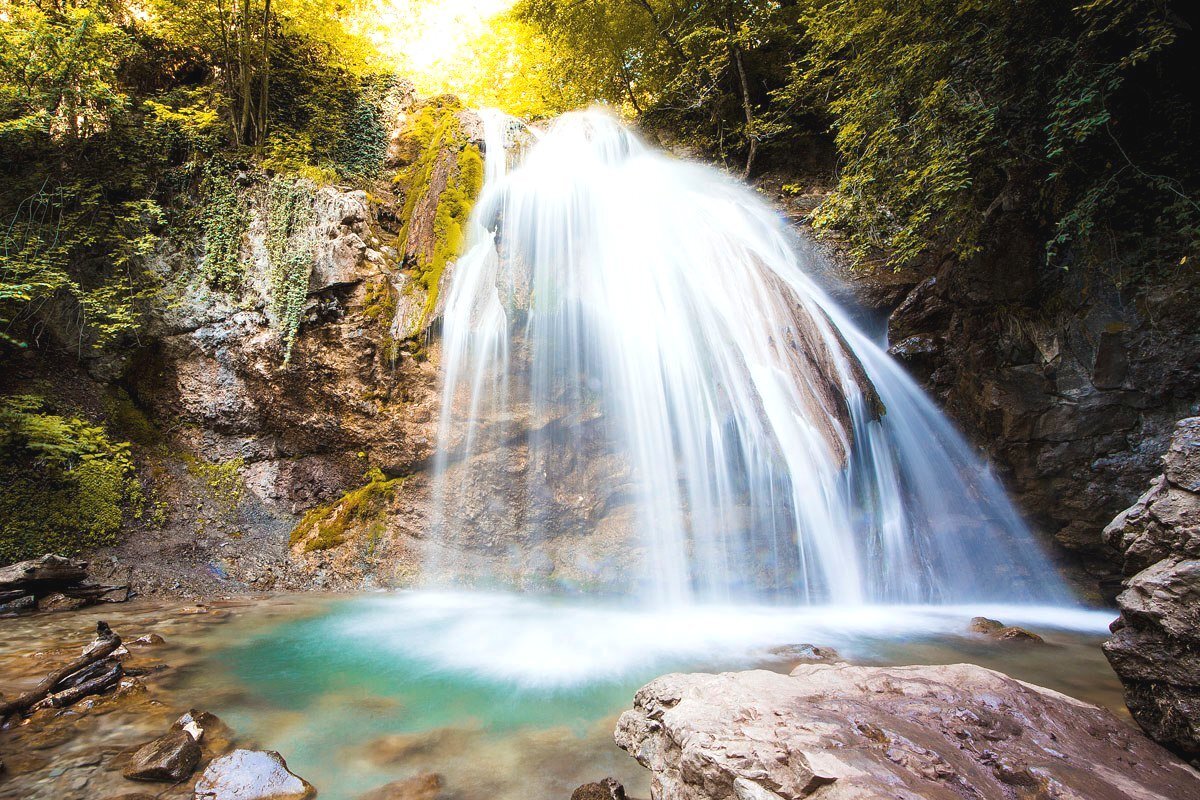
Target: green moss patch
<point>328,526</point>
<point>438,130</point>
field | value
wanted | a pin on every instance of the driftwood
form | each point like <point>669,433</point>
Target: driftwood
<point>24,584</point>
<point>61,688</point>
<point>46,571</point>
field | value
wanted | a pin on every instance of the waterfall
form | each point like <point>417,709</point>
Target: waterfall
<point>644,388</point>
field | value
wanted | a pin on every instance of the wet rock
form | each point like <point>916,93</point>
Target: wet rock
<point>1005,633</point>
<point>149,640</point>
<point>1155,649</point>
<point>607,789</point>
<point>806,652</point>
<point>837,732</point>
<point>171,757</point>
<point>426,786</point>
<point>251,775</point>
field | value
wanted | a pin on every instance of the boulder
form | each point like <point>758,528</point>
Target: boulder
<point>607,789</point>
<point>1155,649</point>
<point>170,757</point>
<point>996,629</point>
<point>426,786</point>
<point>836,732</point>
<point>251,775</point>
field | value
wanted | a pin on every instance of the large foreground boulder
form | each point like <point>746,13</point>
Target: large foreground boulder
<point>252,775</point>
<point>837,732</point>
<point>1155,648</point>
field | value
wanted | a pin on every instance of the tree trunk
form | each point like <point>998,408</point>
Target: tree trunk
<point>264,86</point>
<point>747,108</point>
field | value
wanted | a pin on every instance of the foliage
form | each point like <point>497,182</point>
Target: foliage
<point>290,246</point>
<point>328,526</point>
<point>223,218</point>
<point>948,112</point>
<point>68,487</point>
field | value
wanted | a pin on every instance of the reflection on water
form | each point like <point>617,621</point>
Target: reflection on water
<point>516,697</point>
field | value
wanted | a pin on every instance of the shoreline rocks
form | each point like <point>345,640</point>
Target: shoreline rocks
<point>1155,648</point>
<point>930,733</point>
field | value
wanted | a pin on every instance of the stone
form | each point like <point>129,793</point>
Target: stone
<point>806,652</point>
<point>149,640</point>
<point>607,789</point>
<point>1155,648</point>
<point>836,732</point>
<point>426,786</point>
<point>251,775</point>
<point>171,757</point>
<point>997,630</point>
<point>60,602</point>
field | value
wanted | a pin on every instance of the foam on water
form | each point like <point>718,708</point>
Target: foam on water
<point>539,642</point>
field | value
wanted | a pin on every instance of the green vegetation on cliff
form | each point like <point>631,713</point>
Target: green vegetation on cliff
<point>362,509</point>
<point>67,485</point>
<point>445,178</point>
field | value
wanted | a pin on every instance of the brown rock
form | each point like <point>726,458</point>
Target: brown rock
<point>607,789</point>
<point>149,640</point>
<point>60,602</point>
<point>838,732</point>
<point>1004,633</point>
<point>252,775</point>
<point>426,786</point>
<point>171,757</point>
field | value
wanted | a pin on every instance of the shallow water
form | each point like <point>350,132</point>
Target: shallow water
<point>512,696</point>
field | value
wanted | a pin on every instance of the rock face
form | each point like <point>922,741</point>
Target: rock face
<point>1071,384</point>
<point>1155,648</point>
<point>900,733</point>
<point>251,775</point>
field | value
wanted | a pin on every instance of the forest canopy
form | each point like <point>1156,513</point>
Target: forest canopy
<point>939,115</point>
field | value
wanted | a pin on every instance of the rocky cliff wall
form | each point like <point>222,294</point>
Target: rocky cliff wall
<point>1155,648</point>
<point>1071,382</point>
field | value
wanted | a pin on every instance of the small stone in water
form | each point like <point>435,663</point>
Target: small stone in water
<point>171,757</point>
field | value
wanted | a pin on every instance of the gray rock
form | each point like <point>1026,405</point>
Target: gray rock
<point>837,732</point>
<point>251,775</point>
<point>1154,649</point>
<point>171,757</point>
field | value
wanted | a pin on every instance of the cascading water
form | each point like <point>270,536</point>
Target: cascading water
<point>642,380</point>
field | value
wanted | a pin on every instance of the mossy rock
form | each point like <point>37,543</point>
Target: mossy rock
<point>363,509</point>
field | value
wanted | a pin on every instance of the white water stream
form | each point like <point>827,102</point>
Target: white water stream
<point>634,345</point>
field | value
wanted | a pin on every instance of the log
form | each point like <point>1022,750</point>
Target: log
<point>108,679</point>
<point>41,573</point>
<point>101,648</point>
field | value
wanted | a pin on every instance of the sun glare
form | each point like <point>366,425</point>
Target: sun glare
<point>433,42</point>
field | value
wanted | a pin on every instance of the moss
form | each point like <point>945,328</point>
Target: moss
<point>222,479</point>
<point>67,487</point>
<point>328,526</point>
<point>127,421</point>
<point>379,302</point>
<point>438,130</point>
